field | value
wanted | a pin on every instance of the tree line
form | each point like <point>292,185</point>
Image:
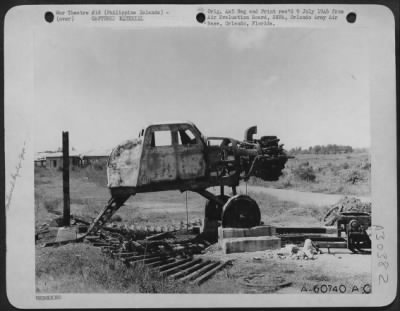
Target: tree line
<point>325,149</point>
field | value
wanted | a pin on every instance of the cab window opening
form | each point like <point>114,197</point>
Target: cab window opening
<point>161,138</point>
<point>186,137</point>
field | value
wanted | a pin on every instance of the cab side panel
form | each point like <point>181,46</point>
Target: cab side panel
<point>158,165</point>
<point>191,162</point>
<point>124,164</point>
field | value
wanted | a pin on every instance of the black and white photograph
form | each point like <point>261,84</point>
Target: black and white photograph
<point>232,155</point>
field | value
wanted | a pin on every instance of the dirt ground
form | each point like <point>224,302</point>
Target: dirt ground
<point>339,271</point>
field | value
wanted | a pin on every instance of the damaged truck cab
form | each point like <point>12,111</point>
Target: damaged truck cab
<point>163,157</point>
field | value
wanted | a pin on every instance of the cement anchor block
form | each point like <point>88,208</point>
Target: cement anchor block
<point>66,234</point>
<point>224,233</point>
<point>250,244</point>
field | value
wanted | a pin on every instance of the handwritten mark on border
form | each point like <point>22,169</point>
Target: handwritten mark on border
<point>15,176</point>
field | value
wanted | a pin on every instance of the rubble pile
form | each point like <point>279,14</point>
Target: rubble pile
<point>119,240</point>
<point>171,253</point>
<point>346,205</point>
<point>308,252</point>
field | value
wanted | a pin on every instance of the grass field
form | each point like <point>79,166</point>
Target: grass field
<point>89,195</point>
<point>84,269</point>
<point>326,173</point>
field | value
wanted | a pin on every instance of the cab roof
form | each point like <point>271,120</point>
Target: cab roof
<point>168,123</point>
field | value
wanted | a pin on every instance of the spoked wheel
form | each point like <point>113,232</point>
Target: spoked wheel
<point>241,211</point>
<point>213,211</point>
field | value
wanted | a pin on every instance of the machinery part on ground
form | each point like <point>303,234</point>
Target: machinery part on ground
<point>241,211</point>
<point>355,225</point>
<point>213,211</point>
<point>353,218</point>
<point>346,205</point>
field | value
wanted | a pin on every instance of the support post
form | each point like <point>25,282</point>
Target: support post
<point>65,148</point>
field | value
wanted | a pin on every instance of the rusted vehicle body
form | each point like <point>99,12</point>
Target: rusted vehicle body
<point>183,160</point>
<point>176,156</point>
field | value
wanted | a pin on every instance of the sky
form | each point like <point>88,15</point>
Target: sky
<point>307,86</point>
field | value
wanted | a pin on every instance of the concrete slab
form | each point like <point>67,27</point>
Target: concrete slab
<point>331,230</point>
<point>66,234</point>
<point>224,233</point>
<point>250,244</point>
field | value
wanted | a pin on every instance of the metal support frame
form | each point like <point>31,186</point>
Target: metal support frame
<point>210,196</point>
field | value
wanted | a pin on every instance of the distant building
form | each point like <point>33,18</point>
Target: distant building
<point>95,157</point>
<point>55,160</point>
<point>40,160</point>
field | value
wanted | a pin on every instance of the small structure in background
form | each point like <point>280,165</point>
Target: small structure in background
<point>40,159</point>
<point>55,160</point>
<point>95,157</point>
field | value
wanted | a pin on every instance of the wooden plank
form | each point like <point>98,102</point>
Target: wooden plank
<point>157,236</point>
<point>102,244</point>
<point>199,272</point>
<point>284,230</point>
<point>92,237</point>
<point>180,267</point>
<point>160,262</point>
<point>325,244</point>
<point>140,257</point>
<point>188,270</point>
<point>154,259</point>
<point>313,237</point>
<point>208,274</point>
<point>176,263</point>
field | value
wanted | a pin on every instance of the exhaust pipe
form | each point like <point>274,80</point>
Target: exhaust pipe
<point>248,134</point>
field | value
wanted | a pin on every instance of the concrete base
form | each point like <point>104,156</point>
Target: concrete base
<point>250,244</point>
<point>331,230</point>
<point>66,234</point>
<point>224,233</point>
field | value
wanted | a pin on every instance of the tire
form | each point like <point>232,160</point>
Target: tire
<point>241,211</point>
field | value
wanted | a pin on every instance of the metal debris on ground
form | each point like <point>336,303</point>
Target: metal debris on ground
<point>171,253</point>
<point>346,205</point>
<point>308,251</point>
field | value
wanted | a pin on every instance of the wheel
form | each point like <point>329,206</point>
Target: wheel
<point>241,211</point>
<point>359,245</point>
<point>213,211</point>
<point>358,240</point>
